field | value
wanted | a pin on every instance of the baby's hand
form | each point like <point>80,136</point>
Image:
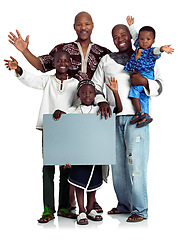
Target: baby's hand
<point>130,20</point>
<point>167,49</point>
<point>113,84</point>
<point>11,64</point>
<point>57,114</point>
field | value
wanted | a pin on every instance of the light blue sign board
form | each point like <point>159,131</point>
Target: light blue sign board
<point>79,139</point>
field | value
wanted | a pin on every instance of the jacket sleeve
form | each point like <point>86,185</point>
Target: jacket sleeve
<point>156,85</point>
<point>99,81</point>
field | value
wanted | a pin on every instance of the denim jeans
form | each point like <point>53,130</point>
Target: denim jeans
<point>130,170</point>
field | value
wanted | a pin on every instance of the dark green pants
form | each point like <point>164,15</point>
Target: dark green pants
<point>48,187</point>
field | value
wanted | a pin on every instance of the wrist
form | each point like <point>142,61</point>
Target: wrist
<point>24,51</point>
<point>19,71</point>
<point>146,83</point>
<point>161,49</point>
<point>115,91</point>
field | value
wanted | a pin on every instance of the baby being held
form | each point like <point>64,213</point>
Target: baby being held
<point>143,61</point>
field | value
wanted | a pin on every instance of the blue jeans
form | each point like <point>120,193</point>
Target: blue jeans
<point>130,170</point>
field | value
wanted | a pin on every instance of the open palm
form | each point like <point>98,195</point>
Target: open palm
<point>11,64</point>
<point>18,42</point>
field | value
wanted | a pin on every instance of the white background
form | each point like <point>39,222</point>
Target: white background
<point>49,23</point>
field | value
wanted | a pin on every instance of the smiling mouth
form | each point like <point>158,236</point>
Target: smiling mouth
<point>122,44</point>
<point>84,32</point>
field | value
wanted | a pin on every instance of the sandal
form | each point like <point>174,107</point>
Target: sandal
<point>64,212</point>
<point>139,116</point>
<point>97,207</point>
<point>114,211</point>
<point>46,216</point>
<point>143,123</point>
<point>135,218</point>
<point>82,219</point>
<point>94,216</point>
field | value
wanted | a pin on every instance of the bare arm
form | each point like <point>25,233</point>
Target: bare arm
<point>22,46</point>
<point>138,79</point>
<point>113,85</point>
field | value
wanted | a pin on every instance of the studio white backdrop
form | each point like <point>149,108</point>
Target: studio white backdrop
<point>49,23</point>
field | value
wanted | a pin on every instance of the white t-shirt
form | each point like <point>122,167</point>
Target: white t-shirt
<point>82,109</point>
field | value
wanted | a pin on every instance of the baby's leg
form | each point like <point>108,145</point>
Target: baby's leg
<point>139,114</point>
<point>137,104</point>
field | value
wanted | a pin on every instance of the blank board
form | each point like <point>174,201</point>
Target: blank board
<point>79,139</point>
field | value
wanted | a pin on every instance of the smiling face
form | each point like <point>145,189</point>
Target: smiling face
<point>122,38</point>
<point>87,94</point>
<point>146,39</point>
<point>83,26</point>
<point>62,62</point>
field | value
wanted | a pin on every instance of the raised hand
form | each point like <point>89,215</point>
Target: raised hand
<point>130,20</point>
<point>167,49</point>
<point>11,64</point>
<point>18,42</point>
<point>113,85</point>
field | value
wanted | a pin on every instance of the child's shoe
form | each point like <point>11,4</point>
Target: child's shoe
<point>138,117</point>
<point>142,123</point>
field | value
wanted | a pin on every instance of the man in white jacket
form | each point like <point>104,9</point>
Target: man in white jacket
<point>130,170</point>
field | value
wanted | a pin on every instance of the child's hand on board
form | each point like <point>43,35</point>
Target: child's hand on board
<point>66,166</point>
<point>57,114</point>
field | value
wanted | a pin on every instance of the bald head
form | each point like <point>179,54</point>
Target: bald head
<point>120,26</point>
<point>83,14</point>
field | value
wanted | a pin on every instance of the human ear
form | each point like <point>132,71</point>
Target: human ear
<point>93,26</point>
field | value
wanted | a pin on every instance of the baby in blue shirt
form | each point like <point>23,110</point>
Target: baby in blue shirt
<point>143,61</point>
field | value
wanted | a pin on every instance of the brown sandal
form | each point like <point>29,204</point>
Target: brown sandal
<point>46,216</point>
<point>114,211</point>
<point>135,218</point>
